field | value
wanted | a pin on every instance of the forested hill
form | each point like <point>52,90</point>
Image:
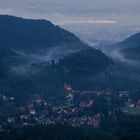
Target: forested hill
<point>132,41</point>
<point>130,47</point>
<point>28,34</point>
<point>26,48</point>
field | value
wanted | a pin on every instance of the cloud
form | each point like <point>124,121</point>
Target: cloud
<point>117,55</point>
<point>125,12</point>
<point>88,22</point>
<point>7,11</point>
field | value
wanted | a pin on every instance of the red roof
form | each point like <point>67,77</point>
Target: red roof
<point>68,87</point>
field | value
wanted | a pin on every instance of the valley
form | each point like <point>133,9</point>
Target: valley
<point>50,79</point>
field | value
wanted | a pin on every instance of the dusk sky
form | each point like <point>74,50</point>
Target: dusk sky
<point>88,19</point>
<point>64,12</point>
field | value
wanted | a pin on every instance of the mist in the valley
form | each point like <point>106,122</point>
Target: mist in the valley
<point>44,55</point>
<point>118,56</point>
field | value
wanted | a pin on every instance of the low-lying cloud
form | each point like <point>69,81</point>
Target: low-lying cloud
<point>88,22</point>
<point>119,56</point>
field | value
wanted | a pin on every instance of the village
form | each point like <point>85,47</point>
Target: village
<point>80,108</point>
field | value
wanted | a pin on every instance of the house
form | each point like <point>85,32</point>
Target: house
<point>30,106</point>
<point>86,104</point>
<point>130,103</point>
<point>32,112</point>
<point>22,108</point>
<point>138,104</point>
<point>24,117</point>
<point>38,101</point>
<point>12,98</point>
<point>95,121</point>
<point>11,120</point>
<point>68,87</point>
<point>5,98</point>
<point>45,103</point>
<point>25,124</point>
<point>69,97</point>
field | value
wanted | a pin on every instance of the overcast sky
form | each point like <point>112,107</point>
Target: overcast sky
<point>64,12</point>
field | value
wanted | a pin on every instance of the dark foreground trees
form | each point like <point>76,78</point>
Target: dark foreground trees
<point>68,133</point>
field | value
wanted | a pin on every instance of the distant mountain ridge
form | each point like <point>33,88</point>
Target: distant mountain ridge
<point>129,48</point>
<point>132,41</point>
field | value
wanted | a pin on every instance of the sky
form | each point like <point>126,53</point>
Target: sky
<point>77,14</point>
<point>64,12</point>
